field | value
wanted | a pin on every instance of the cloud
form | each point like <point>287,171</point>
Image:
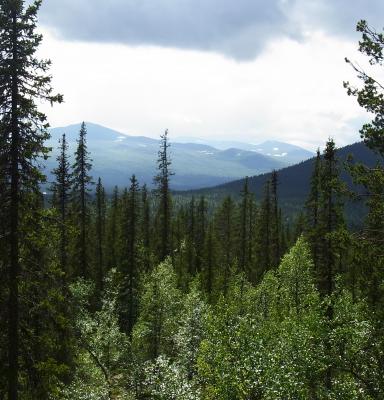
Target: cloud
<point>238,29</point>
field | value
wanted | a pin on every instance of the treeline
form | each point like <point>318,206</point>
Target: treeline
<point>131,296</point>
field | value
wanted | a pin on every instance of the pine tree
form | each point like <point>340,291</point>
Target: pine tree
<point>112,230</point>
<point>275,223</point>
<point>225,233</point>
<point>145,228</point>
<point>162,180</point>
<point>331,220</point>
<point>129,268</point>
<point>190,239</point>
<point>80,203</point>
<point>61,188</point>
<point>209,262</point>
<point>371,97</point>
<point>245,230</point>
<point>23,80</point>
<point>200,232</point>
<point>100,236</point>
<point>264,233</point>
<point>312,210</point>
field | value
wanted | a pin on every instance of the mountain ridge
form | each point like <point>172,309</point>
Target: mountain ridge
<point>116,156</point>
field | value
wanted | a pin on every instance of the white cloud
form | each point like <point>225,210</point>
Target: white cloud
<point>292,92</point>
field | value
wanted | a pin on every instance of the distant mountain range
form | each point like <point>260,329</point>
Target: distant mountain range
<point>285,152</point>
<point>294,181</point>
<point>116,156</point>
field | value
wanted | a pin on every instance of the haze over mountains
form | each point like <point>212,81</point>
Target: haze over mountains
<point>197,163</point>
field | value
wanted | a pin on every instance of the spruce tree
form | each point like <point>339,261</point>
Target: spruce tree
<point>80,204</point>
<point>209,262</point>
<point>112,230</point>
<point>190,240</point>
<point>100,236</point>
<point>275,223</point>
<point>331,220</point>
<point>146,228</point>
<point>24,80</point>
<point>264,233</point>
<point>61,188</point>
<point>371,97</point>
<point>312,211</point>
<point>162,180</point>
<point>225,233</point>
<point>245,229</point>
<point>200,232</point>
<point>129,268</point>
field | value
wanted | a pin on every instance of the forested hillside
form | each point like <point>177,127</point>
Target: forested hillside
<point>139,295</point>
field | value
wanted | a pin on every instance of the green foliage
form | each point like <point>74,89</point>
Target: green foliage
<point>160,303</point>
<point>103,350</point>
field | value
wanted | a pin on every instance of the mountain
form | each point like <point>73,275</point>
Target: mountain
<point>116,156</point>
<point>294,181</point>
<point>285,152</point>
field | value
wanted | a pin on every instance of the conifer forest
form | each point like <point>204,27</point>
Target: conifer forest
<point>143,293</point>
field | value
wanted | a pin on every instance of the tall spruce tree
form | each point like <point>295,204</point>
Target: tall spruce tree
<point>146,228</point>
<point>129,267</point>
<point>312,211</point>
<point>200,232</point>
<point>371,97</point>
<point>61,188</point>
<point>264,233</point>
<point>80,204</point>
<point>24,80</point>
<point>275,223</point>
<point>112,230</point>
<point>331,220</point>
<point>225,233</point>
<point>100,236</point>
<point>162,180</point>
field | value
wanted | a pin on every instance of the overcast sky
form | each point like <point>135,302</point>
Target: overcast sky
<point>248,70</point>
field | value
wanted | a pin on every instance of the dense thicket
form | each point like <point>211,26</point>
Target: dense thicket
<point>136,296</point>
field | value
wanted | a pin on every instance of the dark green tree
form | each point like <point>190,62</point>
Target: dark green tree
<point>331,220</point>
<point>275,223</point>
<point>162,180</point>
<point>24,80</point>
<point>225,227</point>
<point>129,267</point>
<point>61,188</point>
<point>245,227</point>
<point>100,236</point>
<point>264,233</point>
<point>146,228</point>
<point>113,216</point>
<point>371,97</point>
<point>80,204</point>
<point>200,232</point>
<point>312,210</point>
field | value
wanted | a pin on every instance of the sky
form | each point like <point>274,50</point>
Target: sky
<point>245,70</point>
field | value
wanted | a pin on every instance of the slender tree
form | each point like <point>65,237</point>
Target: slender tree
<point>146,228</point>
<point>100,236</point>
<point>264,233</point>
<point>225,233</point>
<point>80,202</point>
<point>23,80</point>
<point>275,223</point>
<point>130,262</point>
<point>312,211</point>
<point>112,230</point>
<point>61,188</point>
<point>162,180</point>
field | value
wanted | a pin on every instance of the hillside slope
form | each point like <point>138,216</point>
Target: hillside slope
<point>294,181</point>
